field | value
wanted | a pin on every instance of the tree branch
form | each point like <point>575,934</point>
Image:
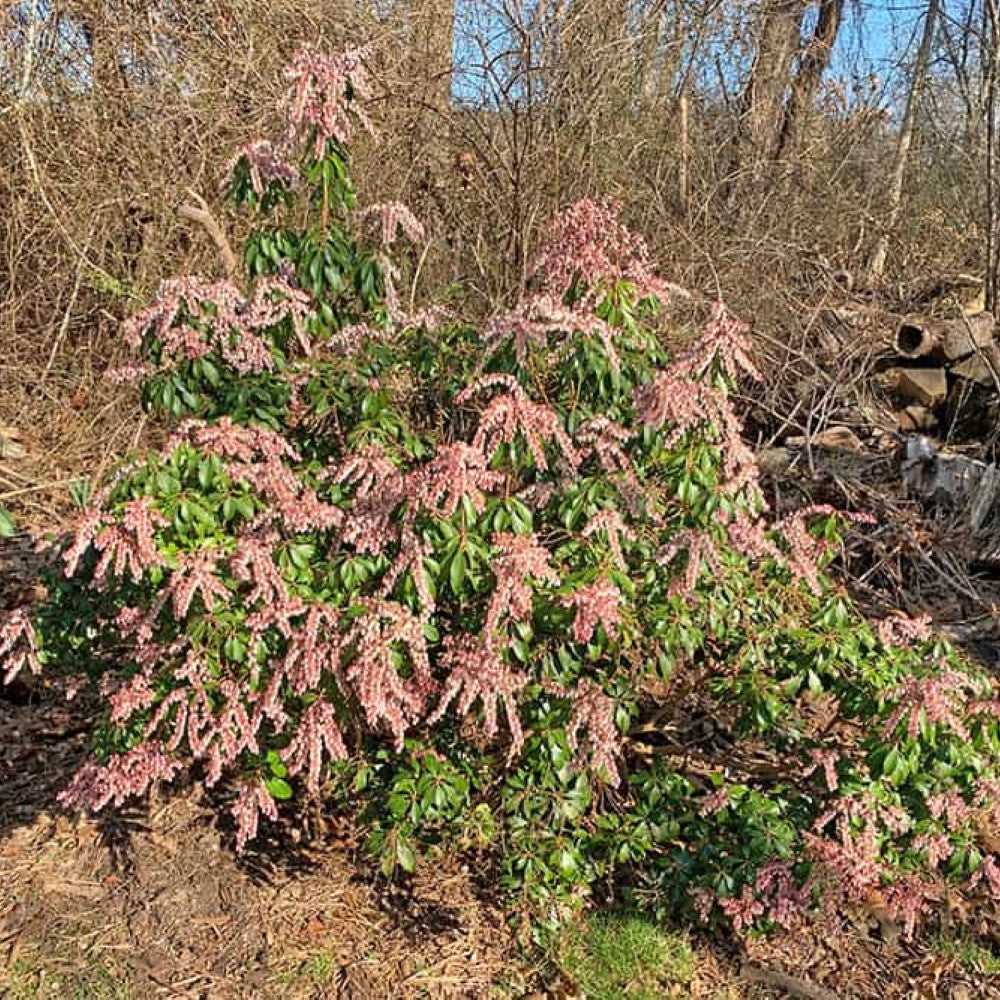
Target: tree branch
<point>201,214</point>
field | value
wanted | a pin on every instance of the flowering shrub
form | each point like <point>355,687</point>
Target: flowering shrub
<point>517,592</point>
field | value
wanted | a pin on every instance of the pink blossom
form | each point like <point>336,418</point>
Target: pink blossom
<point>318,733</point>
<point>588,241</point>
<point>909,898</point>
<point>18,644</point>
<point>683,405</point>
<point>195,575</point>
<point>748,536</point>
<point>134,695</point>
<point>951,807</point>
<point>723,341</point>
<point>477,671</point>
<point>129,545</point>
<point>714,802</point>
<point>899,630</point>
<point>123,776</point>
<point>936,699</point>
<point>701,551</point>
<point>383,694</point>
<point>594,712</point>
<point>228,440</point>
<point>606,440</point>
<point>253,563</point>
<point>936,846</point>
<point>598,604</point>
<point>533,321</point>
<point>252,800</point>
<point>88,525</point>
<point>127,374</point>
<point>610,523</point>
<point>413,551</point>
<point>457,472</point>
<point>743,910</point>
<point>318,100</point>
<point>827,760</point>
<point>786,901</point>
<point>989,871</point>
<point>314,650</point>
<point>392,218</point>
<point>520,558</point>
<point>275,299</point>
<point>266,164</point>
<point>805,551</point>
<point>513,414</point>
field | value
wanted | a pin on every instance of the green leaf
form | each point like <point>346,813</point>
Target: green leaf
<point>279,788</point>
<point>456,575</point>
<point>405,856</point>
<point>7,526</point>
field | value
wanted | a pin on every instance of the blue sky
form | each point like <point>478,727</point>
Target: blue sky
<point>875,37</point>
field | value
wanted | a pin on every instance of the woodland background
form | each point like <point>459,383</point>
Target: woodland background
<point>790,155</point>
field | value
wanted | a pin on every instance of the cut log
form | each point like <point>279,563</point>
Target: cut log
<point>974,369</point>
<point>926,386</point>
<point>952,482</point>
<point>774,461</point>
<point>944,340</point>
<point>916,418</point>
<point>837,439</point>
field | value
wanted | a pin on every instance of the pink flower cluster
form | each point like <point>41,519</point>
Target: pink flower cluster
<point>588,241</point>
<point>477,671</point>
<point>594,712</point>
<point>324,95</point>
<point>937,699</point>
<point>392,218</point>
<point>598,604</point>
<point>18,644</point>
<point>191,318</point>
<point>899,630</point>
<point>266,163</point>
<point>124,776</point>
<point>514,414</point>
<point>680,405</point>
<point>774,894</point>
<point>723,341</point>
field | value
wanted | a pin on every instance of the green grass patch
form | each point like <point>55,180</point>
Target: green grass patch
<point>973,956</point>
<point>624,956</point>
<point>30,980</point>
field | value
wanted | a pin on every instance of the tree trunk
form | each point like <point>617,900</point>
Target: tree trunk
<point>814,63</point>
<point>991,44</point>
<point>763,98</point>
<point>876,266</point>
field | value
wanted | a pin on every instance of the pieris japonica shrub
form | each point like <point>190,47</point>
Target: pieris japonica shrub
<point>513,590</point>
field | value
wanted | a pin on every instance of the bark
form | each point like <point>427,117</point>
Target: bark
<point>814,63</point>
<point>763,98</point>
<point>877,264</point>
<point>991,36</point>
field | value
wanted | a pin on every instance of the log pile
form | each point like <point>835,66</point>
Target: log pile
<point>946,371</point>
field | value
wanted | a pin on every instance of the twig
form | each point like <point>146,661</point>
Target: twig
<point>792,985</point>
<point>201,214</point>
<point>64,325</point>
<point>37,488</point>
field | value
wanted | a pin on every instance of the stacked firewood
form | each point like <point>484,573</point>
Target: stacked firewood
<point>946,371</point>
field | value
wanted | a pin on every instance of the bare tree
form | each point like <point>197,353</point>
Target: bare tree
<point>812,65</point>
<point>876,266</point>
